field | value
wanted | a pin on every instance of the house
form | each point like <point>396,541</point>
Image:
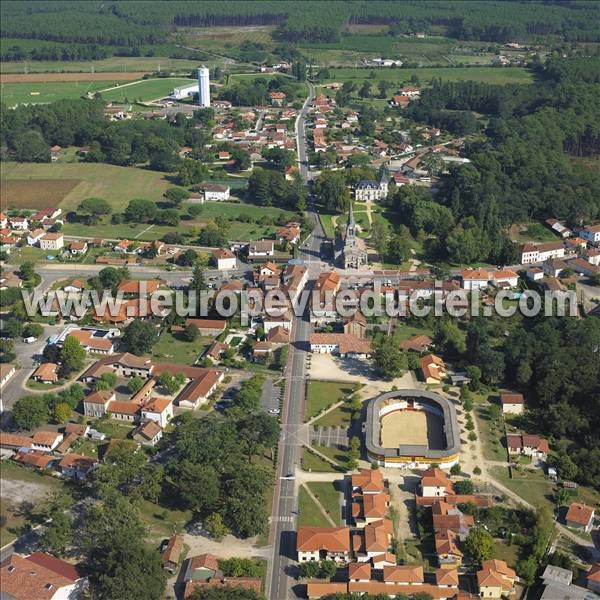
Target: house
<point>288,233</point>
<point>368,508</point>
<point>575,244</point>
<point>261,248</point>
<point>7,243</point>
<point>52,241</point>
<point>93,343</point>
<point>77,466</point>
<point>372,540</point>
<point>224,259</point>
<point>277,98</point>
<point>124,410</point>
<point>553,267</point>
<point>200,389</point>
<point>216,350</point>
<point>19,223</point>
<point>495,579</point>
<point>126,247</point>
<point>148,433</point>
<point>400,100</point>
<point>96,404</point>
<point>535,273</point>
<point>591,233</point>
<point>172,553</point>
<point>404,574</point>
<point>138,287</point>
<point>433,368</point>
<point>559,228</point>
<point>78,429</point>
<point>593,578</point>
<point>214,192</point>
<point>159,410</point>
<point>34,237</point>
<point>208,327</point>
<point>14,442</point>
<point>3,221</point>
<point>34,458</point>
<point>448,553</point>
<point>503,278</point>
<point>355,324</point>
<point>435,484</point>
<point>534,253</point>
<point>368,190</point>
<point>46,373</point>
<point>346,345</point>
<point>580,516</point>
<point>558,585</point>
<point>316,543</point>
<point>417,343</point>
<point>7,370</point>
<point>278,335</point>
<point>75,287</point>
<point>46,441</point>
<point>359,572</point>
<point>368,481</point>
<point>78,247</point>
<point>528,445</point>
<point>39,576</point>
<point>474,279</point>
<point>512,403</point>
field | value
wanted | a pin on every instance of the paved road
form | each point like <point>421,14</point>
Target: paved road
<point>281,578</point>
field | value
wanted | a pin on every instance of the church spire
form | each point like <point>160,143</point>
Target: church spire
<point>351,226</point>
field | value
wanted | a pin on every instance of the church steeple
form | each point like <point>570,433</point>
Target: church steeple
<point>351,226</point>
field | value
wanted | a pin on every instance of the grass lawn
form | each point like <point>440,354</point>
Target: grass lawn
<point>532,486</point>
<point>403,332</point>
<point>327,224</point>
<point>339,456</point>
<point>400,76</point>
<point>113,429</point>
<point>16,472</point>
<point>536,232</point>
<point>45,92</point>
<point>234,210</point>
<point>145,90</point>
<point>328,497</point>
<point>509,554</point>
<point>313,463</point>
<point>490,432</point>
<point>163,522</point>
<point>117,185</point>
<point>321,394</point>
<point>12,523</point>
<point>310,515</point>
<point>89,447</point>
<point>176,350</point>
<point>339,416</point>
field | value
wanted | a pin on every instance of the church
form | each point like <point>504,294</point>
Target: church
<point>351,252</point>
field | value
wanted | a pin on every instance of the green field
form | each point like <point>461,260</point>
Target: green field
<point>233,210</point>
<point>39,93</point>
<point>313,463</point>
<point>321,394</point>
<point>400,76</point>
<point>171,349</point>
<point>310,513</point>
<point>328,497</point>
<point>117,185</point>
<point>145,90</point>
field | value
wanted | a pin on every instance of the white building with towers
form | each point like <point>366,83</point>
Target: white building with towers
<point>203,87</point>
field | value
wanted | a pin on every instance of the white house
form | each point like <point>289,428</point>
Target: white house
<point>20,223</point>
<point>159,410</point>
<point>474,279</point>
<point>534,253</point>
<point>46,441</point>
<point>34,237</point>
<point>52,241</point>
<point>224,259</point>
<point>504,277</point>
<point>591,234</point>
<point>261,248</point>
<point>512,403</point>
<point>214,191</point>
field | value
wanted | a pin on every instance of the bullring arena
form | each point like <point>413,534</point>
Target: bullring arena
<point>412,429</point>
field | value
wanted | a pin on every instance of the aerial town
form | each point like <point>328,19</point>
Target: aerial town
<point>299,300</point>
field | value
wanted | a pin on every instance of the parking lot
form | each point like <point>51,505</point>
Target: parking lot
<point>270,400</point>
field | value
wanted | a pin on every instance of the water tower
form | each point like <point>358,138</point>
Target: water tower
<point>203,87</point>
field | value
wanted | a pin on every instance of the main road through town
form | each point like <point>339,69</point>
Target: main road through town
<point>283,519</point>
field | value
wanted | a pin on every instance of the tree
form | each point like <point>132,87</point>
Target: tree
<point>61,412</point>
<point>215,526</point>
<point>139,337</point>
<point>111,278</point>
<point>390,361</point>
<point>30,412</point>
<point>224,593</point>
<point>12,327</point>
<point>379,236</point>
<point>479,545</point>
<point>31,147</point>
<point>58,534</point>
<point>33,330</point>
<point>398,249</point>
<point>140,210</point>
<point>465,486</point>
<point>365,90</point>
<point>191,172</point>
<point>120,565</point>
<point>27,270</point>
<point>455,470</point>
<point>185,477</point>
<point>107,380</point>
<point>168,216</point>
<point>187,258</point>
<point>191,333</point>
<point>94,208</point>
<point>135,384</point>
<point>169,382</point>
<point>72,354</point>
<point>332,191</point>
<point>327,569</point>
<point>310,569</point>
<point>177,195</point>
<point>383,86</point>
<point>280,157</point>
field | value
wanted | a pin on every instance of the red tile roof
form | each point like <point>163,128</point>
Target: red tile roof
<point>579,513</point>
<point>332,539</point>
